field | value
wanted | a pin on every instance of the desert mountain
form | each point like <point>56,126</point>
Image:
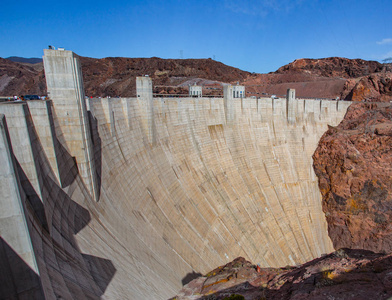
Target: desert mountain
<point>351,79</point>
<point>31,60</point>
<point>18,79</point>
<point>115,76</point>
<point>332,67</point>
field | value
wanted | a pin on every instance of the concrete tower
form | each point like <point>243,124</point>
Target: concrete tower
<point>290,94</point>
<point>145,102</point>
<point>65,87</point>
<point>290,105</point>
<point>230,92</point>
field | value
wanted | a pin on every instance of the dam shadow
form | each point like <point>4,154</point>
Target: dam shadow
<point>95,266</point>
<point>68,168</point>
<point>189,277</point>
<point>97,149</point>
<point>16,276</point>
<point>67,165</point>
<point>32,197</point>
<point>69,218</point>
<point>57,219</point>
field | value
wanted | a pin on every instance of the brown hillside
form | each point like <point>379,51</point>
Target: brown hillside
<point>115,76</point>
<point>332,67</point>
<point>349,79</point>
<point>17,78</point>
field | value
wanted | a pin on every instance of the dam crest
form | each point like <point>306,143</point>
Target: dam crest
<point>128,198</point>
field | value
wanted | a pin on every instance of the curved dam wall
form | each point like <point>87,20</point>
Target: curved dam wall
<point>130,198</point>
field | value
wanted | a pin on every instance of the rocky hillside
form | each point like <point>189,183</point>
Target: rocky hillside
<point>343,274</point>
<point>115,76</point>
<point>374,87</point>
<point>353,162</point>
<point>350,79</point>
<point>31,60</point>
<point>332,67</point>
<point>18,79</point>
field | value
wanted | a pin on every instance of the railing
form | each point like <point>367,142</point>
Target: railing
<point>185,96</point>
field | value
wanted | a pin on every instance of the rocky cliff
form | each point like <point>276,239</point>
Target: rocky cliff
<point>349,79</point>
<point>343,274</point>
<point>354,165</point>
<point>332,67</point>
<point>374,87</point>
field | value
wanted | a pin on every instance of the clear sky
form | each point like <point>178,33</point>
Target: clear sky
<point>256,36</point>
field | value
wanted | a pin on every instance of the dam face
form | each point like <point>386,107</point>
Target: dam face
<point>129,198</point>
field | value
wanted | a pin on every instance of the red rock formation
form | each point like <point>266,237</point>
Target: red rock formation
<point>350,79</point>
<point>353,162</point>
<point>332,67</point>
<point>375,87</point>
<point>344,274</point>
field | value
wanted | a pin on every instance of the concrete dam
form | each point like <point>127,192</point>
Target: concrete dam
<point>130,198</point>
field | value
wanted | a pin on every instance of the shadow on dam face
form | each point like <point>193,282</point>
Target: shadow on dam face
<point>209,188</point>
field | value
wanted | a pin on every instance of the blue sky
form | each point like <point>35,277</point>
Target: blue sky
<point>256,36</point>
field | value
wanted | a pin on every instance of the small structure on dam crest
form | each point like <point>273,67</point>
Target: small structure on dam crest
<point>195,90</point>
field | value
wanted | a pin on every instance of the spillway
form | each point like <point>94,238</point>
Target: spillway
<point>157,191</point>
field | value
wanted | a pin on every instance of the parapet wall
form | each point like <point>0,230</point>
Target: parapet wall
<point>182,186</point>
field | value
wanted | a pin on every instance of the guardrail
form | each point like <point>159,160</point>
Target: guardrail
<point>185,96</point>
